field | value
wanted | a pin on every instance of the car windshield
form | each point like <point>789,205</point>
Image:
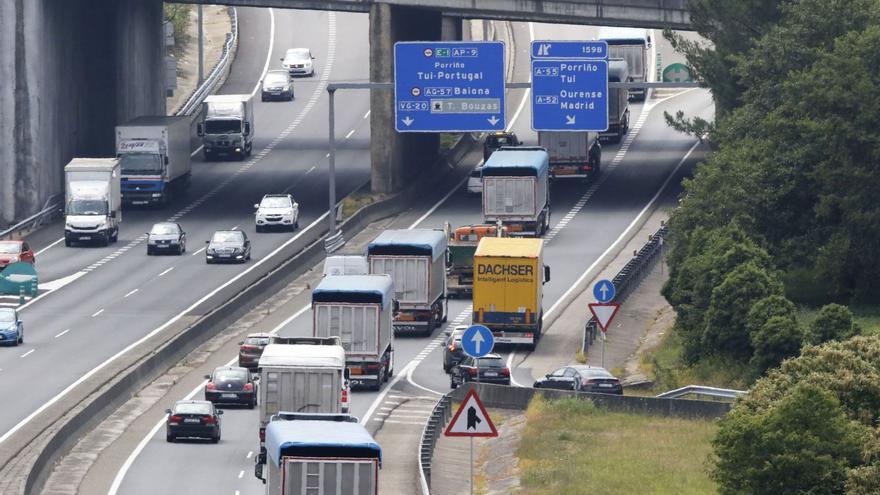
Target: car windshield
<point>230,375</point>
<point>257,341</point>
<point>7,315</point>
<point>594,373</point>
<point>274,78</point>
<point>298,54</point>
<point>491,363</point>
<point>222,126</point>
<point>10,248</point>
<point>227,237</point>
<point>275,203</point>
<point>498,141</point>
<point>192,408</point>
<point>87,207</point>
<point>140,163</point>
<point>164,229</point>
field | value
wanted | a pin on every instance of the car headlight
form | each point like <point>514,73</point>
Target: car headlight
<point>209,251</point>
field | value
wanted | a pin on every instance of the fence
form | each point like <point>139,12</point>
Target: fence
<point>433,429</point>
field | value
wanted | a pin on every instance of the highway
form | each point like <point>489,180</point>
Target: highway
<point>115,296</point>
<point>587,222</point>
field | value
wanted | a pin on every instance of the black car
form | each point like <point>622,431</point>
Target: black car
<point>452,351</point>
<point>582,378</point>
<point>228,246</point>
<point>492,369</point>
<point>276,86</point>
<point>496,140</point>
<point>231,385</point>
<point>166,237</point>
<point>193,419</point>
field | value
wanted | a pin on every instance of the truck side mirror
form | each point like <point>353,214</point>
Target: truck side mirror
<point>113,214</point>
<point>200,130</point>
<point>247,128</point>
<point>346,373</point>
<point>395,306</point>
<point>166,160</point>
<point>546,274</point>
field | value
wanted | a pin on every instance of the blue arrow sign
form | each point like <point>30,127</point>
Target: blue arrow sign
<point>477,341</point>
<point>604,291</point>
<point>570,49</point>
<point>569,95</point>
<point>449,86</point>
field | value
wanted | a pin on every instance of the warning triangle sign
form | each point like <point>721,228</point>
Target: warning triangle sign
<point>604,313</point>
<point>471,419</point>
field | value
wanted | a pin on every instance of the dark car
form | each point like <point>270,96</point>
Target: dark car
<point>452,351</point>
<point>251,348</point>
<point>581,378</point>
<point>276,86</point>
<point>496,140</point>
<point>492,370</point>
<point>166,237</point>
<point>15,251</point>
<point>228,246</point>
<point>11,327</point>
<point>193,419</point>
<point>231,385</point>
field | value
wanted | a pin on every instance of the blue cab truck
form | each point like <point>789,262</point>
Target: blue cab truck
<point>327,454</point>
<point>154,154</point>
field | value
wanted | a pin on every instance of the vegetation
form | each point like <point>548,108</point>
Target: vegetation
<point>179,15</point>
<point>568,447</point>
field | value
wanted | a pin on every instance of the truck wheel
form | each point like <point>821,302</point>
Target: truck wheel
<point>115,236</point>
<point>105,239</point>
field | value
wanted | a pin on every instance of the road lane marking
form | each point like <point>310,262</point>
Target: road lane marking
<point>350,133</point>
<point>166,271</point>
<point>28,353</point>
<point>241,474</point>
<point>98,312</point>
<point>130,293</point>
<point>268,53</point>
<point>249,455</point>
<point>199,251</point>
<point>366,115</point>
<point>41,251</point>
<point>62,333</point>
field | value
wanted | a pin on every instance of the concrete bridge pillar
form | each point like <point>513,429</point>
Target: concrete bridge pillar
<point>71,70</point>
<point>396,158</point>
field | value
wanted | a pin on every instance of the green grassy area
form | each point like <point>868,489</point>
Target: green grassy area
<point>867,317</point>
<point>447,141</point>
<point>356,201</point>
<point>570,447</point>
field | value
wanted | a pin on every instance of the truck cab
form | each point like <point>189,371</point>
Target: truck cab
<point>463,243</point>
<point>495,140</point>
<point>227,128</point>
<point>92,207</point>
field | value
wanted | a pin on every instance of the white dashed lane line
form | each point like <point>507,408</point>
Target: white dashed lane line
<point>166,271</point>
<point>62,333</point>
<point>199,251</point>
<point>130,293</point>
<point>28,353</point>
<point>97,313</point>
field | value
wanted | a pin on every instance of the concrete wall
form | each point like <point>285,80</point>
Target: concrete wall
<point>72,69</point>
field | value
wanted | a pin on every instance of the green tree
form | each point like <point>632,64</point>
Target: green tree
<point>768,307</point>
<point>834,322</point>
<point>777,339</point>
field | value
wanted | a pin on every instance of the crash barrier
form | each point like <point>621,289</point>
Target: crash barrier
<point>629,277</point>
<point>701,390</point>
<point>50,209</point>
<point>430,434</point>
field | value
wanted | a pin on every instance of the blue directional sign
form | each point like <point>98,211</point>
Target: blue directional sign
<point>477,341</point>
<point>444,86</point>
<point>604,291</point>
<point>569,49</point>
<point>569,95</point>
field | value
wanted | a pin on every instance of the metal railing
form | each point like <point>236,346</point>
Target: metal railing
<point>433,429</point>
<point>50,208</point>
<point>722,393</point>
<point>210,83</point>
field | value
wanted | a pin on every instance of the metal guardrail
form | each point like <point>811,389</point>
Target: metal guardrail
<point>723,393</point>
<point>210,83</point>
<point>440,415</point>
<point>629,277</point>
<point>50,207</point>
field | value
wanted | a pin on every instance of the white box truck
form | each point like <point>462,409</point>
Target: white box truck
<point>573,155</point>
<point>358,309</point>
<point>630,44</point>
<point>227,126</point>
<point>416,262</point>
<point>618,103</point>
<point>92,201</point>
<point>516,190</point>
<point>155,158</point>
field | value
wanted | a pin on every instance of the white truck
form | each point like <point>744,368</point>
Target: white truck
<point>92,200</point>
<point>618,103</point>
<point>155,158</point>
<point>516,190</point>
<point>416,262</point>
<point>630,44</point>
<point>302,375</point>
<point>573,155</point>
<point>357,309</point>
<point>320,455</point>
<point>227,126</point>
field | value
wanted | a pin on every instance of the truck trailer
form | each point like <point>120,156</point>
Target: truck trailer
<point>227,126</point>
<point>516,190</point>
<point>509,278</point>
<point>358,310</point>
<point>572,155</point>
<point>630,44</point>
<point>618,102</point>
<point>154,156</point>
<point>462,246</point>
<point>416,262</point>
<point>92,200</point>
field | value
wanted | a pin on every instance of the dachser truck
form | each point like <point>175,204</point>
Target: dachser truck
<point>416,262</point>
<point>358,310</point>
<point>509,277</point>
<point>462,246</point>
<point>516,190</point>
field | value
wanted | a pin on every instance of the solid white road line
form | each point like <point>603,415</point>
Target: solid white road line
<point>268,53</point>
<point>41,251</point>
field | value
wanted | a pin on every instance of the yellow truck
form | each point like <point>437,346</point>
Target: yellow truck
<point>509,276</point>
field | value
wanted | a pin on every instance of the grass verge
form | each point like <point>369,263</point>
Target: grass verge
<point>570,447</point>
<point>867,317</point>
<point>356,201</point>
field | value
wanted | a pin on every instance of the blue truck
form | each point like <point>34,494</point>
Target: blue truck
<point>154,153</point>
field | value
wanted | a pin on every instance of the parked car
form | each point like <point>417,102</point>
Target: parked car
<point>231,385</point>
<point>276,85</point>
<point>276,210</point>
<point>581,378</point>
<point>228,245</point>
<point>166,237</point>
<point>193,419</point>
<point>492,370</point>
<point>11,327</point>
<point>251,348</point>
<point>299,61</point>
<point>15,251</point>
<point>452,351</point>
<point>475,181</point>
<point>496,140</point>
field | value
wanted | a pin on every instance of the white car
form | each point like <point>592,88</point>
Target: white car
<point>475,182</point>
<point>299,61</point>
<point>277,210</point>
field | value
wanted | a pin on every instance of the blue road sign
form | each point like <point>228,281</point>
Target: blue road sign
<point>569,95</point>
<point>477,341</point>
<point>604,291</point>
<point>569,49</point>
<point>444,86</point>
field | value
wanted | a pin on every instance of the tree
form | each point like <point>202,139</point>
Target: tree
<point>768,307</point>
<point>834,322</point>
<point>777,339</point>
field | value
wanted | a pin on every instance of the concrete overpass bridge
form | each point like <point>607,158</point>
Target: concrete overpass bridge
<point>73,69</point>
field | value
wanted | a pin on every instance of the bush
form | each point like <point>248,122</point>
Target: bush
<point>178,14</point>
<point>834,322</point>
<point>777,339</point>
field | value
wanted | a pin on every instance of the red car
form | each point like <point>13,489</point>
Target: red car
<point>251,349</point>
<point>15,251</point>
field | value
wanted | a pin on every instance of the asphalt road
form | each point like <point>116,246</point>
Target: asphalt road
<point>120,294</point>
<point>587,221</point>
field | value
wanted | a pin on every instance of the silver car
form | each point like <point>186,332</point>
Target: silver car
<point>299,61</point>
<point>276,86</point>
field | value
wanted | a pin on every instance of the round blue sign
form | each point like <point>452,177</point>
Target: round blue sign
<point>477,341</point>
<point>604,291</point>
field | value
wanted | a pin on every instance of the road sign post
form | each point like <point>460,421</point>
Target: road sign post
<point>603,312</point>
<point>475,422</point>
<point>604,291</point>
<point>477,341</point>
<point>442,86</point>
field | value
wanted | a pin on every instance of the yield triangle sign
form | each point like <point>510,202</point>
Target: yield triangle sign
<point>471,419</point>
<point>604,313</point>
